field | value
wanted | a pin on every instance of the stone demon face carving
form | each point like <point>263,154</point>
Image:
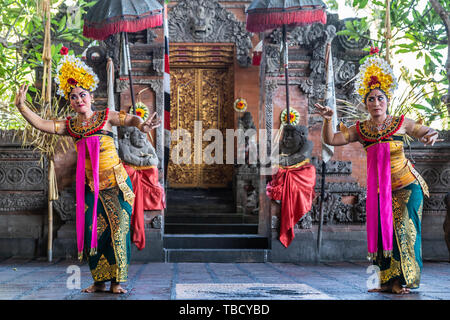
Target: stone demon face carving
<point>200,23</point>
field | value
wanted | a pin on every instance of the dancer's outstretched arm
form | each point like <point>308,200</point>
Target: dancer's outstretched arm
<point>329,136</point>
<point>48,126</point>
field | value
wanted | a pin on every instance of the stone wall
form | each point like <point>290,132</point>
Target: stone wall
<point>23,198</point>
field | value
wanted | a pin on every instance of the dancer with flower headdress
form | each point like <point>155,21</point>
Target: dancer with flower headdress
<point>104,194</point>
<point>394,188</point>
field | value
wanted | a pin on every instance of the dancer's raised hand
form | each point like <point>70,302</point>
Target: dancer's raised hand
<point>325,112</point>
<point>21,96</point>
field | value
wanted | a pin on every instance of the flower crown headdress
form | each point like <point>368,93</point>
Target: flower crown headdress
<point>71,73</point>
<point>374,73</point>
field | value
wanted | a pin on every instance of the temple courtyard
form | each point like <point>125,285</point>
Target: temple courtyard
<point>61,279</point>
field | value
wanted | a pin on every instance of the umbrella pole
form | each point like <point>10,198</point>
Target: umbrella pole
<point>322,196</point>
<point>286,73</point>
<point>129,72</point>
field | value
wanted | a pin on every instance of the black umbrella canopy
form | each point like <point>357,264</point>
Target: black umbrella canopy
<point>108,17</point>
<point>268,14</point>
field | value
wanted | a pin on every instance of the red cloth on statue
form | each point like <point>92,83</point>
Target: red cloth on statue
<point>295,188</point>
<point>149,196</point>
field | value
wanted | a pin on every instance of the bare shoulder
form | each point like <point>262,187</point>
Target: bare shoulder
<point>113,117</point>
<point>353,133</point>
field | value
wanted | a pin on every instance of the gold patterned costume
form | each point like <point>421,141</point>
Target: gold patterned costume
<point>408,188</point>
<point>111,259</point>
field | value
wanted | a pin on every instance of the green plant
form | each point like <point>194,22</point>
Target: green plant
<point>419,30</point>
<point>21,45</point>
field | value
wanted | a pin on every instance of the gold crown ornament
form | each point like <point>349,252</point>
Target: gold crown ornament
<point>71,73</point>
<point>375,73</point>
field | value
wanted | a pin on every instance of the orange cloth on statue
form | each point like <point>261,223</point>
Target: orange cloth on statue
<point>294,186</point>
<point>149,196</point>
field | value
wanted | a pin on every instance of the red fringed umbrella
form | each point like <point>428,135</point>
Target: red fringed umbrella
<point>108,17</point>
<point>264,15</point>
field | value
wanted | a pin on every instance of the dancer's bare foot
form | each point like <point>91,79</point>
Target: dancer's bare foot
<point>116,288</point>
<point>383,288</point>
<point>96,287</point>
<point>397,288</point>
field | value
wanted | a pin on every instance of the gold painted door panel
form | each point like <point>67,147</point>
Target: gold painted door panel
<point>201,99</point>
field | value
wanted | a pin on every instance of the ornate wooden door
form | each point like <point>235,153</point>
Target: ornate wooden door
<point>201,99</point>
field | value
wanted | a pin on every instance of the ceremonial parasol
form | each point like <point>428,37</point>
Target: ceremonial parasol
<point>264,15</point>
<point>108,17</point>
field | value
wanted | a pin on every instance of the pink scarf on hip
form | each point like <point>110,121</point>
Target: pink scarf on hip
<point>93,146</point>
<point>379,195</point>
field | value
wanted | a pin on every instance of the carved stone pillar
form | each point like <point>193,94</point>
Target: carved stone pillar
<point>434,166</point>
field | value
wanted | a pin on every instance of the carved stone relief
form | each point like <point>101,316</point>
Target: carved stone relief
<point>65,205</point>
<point>432,164</point>
<point>23,179</point>
<point>207,21</point>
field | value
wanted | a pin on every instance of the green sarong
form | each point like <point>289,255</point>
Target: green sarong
<point>406,261</point>
<point>113,229</point>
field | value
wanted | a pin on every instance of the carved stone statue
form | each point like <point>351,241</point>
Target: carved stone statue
<point>135,149</point>
<point>292,187</point>
<point>294,145</point>
<point>250,144</point>
<point>447,223</point>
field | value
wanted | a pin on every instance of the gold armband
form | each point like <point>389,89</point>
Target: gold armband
<point>56,125</point>
<point>122,117</point>
<point>344,131</point>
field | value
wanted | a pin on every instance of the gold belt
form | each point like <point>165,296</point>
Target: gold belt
<point>297,165</point>
<point>120,175</point>
<point>419,178</point>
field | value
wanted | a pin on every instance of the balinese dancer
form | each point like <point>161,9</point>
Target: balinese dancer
<point>104,194</point>
<point>394,188</point>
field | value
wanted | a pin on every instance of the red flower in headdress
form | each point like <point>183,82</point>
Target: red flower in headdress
<point>64,51</point>
<point>373,81</point>
<point>374,50</point>
<point>72,81</point>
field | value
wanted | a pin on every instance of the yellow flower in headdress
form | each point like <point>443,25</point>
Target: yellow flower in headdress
<point>375,73</point>
<point>71,73</point>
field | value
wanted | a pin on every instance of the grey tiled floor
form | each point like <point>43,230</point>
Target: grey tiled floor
<point>37,279</point>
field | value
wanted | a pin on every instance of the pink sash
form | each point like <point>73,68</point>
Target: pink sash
<point>93,146</point>
<point>379,192</point>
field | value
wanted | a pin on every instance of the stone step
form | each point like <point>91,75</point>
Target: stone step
<point>200,207</point>
<point>217,255</point>
<point>208,228</point>
<point>210,218</point>
<point>215,241</point>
